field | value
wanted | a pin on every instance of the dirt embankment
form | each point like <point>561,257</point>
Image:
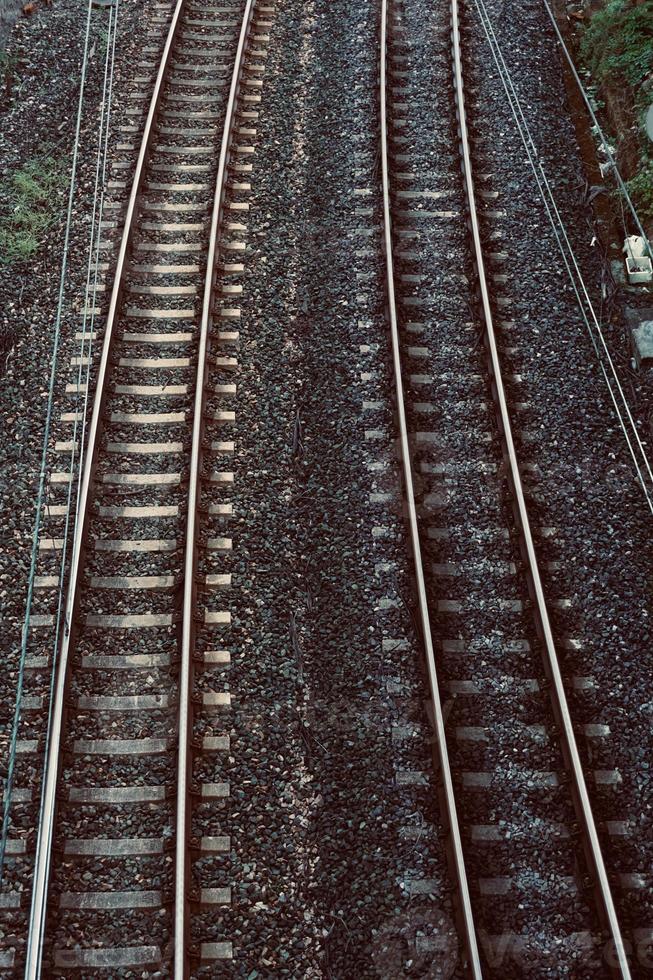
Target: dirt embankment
<point>612,41</point>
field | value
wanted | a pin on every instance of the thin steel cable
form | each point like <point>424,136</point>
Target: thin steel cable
<point>602,881</point>
<point>94,239</point>
<point>86,340</point>
<point>84,370</point>
<point>505,74</point>
<point>9,782</point>
<point>554,215</point>
<point>45,840</point>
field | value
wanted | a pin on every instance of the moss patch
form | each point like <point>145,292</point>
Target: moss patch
<point>618,43</point>
<point>29,206</point>
<point>640,188</point>
<point>617,48</point>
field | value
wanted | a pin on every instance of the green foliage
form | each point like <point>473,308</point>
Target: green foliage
<point>28,207</point>
<point>640,188</point>
<point>618,43</point>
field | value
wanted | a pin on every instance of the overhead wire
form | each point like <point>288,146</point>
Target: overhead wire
<point>84,368</point>
<point>83,378</point>
<point>618,397</point>
<point>42,496</point>
<point>84,362</point>
<point>596,123</point>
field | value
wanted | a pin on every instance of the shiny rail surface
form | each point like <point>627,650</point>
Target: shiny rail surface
<point>184,746</point>
<point>455,854</point>
<point>136,211</point>
<point>184,771</point>
<point>46,825</point>
<point>590,840</point>
<point>589,837</point>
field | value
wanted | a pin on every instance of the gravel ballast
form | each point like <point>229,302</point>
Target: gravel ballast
<point>333,846</point>
<point>337,864</point>
<point>38,118</point>
<point>585,486</point>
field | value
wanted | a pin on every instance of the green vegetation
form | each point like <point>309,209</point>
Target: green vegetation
<point>28,207</point>
<point>617,47</point>
<point>618,43</point>
<point>640,188</point>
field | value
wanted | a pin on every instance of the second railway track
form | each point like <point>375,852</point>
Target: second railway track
<point>134,856</point>
<point>510,774</point>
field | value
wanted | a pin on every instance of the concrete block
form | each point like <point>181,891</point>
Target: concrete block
<point>642,339</point>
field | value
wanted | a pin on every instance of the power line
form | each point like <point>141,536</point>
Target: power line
<point>606,145</point>
<point>617,394</point>
<point>42,493</point>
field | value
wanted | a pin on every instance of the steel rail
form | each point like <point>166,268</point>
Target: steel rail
<point>38,909</point>
<point>184,772</point>
<point>455,849</point>
<point>583,807</point>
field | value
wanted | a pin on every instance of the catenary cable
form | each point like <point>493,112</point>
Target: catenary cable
<point>86,340</point>
<point>42,490</point>
<point>624,415</point>
<point>90,293</point>
<point>606,145</point>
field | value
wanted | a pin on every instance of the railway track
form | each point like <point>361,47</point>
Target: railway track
<point>479,590</point>
<point>134,832</point>
<point>131,872</point>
